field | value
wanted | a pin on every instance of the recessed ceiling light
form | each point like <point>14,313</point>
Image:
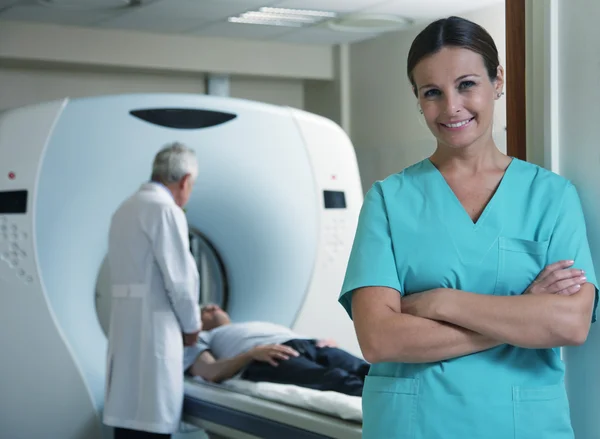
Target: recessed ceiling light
<point>283,17</point>
<point>370,23</point>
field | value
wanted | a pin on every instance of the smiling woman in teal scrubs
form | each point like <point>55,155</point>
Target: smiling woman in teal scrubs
<point>469,269</point>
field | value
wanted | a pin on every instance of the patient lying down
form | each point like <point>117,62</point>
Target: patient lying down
<point>261,351</point>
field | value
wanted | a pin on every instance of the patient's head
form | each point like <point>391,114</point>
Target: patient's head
<point>213,316</point>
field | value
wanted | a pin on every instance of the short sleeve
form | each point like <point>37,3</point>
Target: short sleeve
<point>372,261</point>
<point>190,353</point>
<point>569,238</point>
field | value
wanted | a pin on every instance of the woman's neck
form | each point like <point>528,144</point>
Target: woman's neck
<point>471,159</point>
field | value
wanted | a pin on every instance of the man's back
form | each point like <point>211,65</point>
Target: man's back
<point>233,339</point>
<point>130,246</point>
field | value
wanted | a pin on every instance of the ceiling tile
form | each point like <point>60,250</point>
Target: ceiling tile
<point>324,36</point>
<point>55,15</point>
<point>429,9</point>
<point>152,23</point>
<point>205,9</point>
<point>241,30</point>
<point>208,17</point>
<point>328,5</point>
<point>5,3</point>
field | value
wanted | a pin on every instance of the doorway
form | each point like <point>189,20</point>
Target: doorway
<point>516,102</point>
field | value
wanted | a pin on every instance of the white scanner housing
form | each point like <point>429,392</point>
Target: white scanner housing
<point>277,199</point>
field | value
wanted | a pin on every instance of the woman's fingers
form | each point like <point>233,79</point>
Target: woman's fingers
<point>562,285</point>
<point>570,290</point>
<point>559,275</point>
<point>557,278</point>
<point>551,268</point>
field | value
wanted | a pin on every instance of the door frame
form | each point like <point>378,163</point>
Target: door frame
<point>516,66</point>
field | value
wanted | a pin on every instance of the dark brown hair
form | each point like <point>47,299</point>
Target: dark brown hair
<point>456,32</point>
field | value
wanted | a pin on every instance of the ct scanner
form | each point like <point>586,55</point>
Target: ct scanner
<point>273,214</point>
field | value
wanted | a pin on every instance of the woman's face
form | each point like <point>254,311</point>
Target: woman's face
<point>457,96</point>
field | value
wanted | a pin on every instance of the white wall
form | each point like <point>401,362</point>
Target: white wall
<point>276,91</point>
<point>325,97</point>
<point>568,141</point>
<point>28,85</point>
<point>387,129</point>
<point>20,85</point>
<point>45,62</point>
<point>21,41</point>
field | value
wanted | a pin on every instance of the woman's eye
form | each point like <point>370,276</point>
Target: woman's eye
<point>431,93</point>
<point>466,84</point>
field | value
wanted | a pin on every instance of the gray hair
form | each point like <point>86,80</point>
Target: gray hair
<point>174,162</point>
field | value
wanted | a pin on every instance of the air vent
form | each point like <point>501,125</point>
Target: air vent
<point>182,118</point>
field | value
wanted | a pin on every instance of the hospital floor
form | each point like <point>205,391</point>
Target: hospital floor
<point>197,435</point>
<point>193,435</point>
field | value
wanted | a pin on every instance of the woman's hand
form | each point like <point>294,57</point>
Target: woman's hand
<point>422,304</point>
<point>558,279</point>
<point>271,353</point>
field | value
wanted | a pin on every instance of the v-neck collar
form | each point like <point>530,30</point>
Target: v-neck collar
<point>451,199</point>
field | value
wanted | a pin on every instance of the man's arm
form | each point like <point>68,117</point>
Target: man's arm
<point>171,250</point>
<point>216,371</point>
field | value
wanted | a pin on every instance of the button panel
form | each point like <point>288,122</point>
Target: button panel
<point>334,233</point>
<point>13,245</point>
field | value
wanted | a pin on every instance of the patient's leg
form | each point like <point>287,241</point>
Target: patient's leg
<point>304,372</point>
<point>338,358</point>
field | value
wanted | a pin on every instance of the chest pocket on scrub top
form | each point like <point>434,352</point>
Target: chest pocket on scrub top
<point>520,261</point>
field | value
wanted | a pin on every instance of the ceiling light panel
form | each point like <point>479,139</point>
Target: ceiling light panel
<point>283,17</point>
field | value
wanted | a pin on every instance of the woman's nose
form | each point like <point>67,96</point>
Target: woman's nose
<point>453,103</point>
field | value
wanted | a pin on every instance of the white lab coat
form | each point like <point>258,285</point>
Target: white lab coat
<point>155,289</point>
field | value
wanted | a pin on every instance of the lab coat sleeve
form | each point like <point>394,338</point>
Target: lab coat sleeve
<point>372,261</point>
<point>569,238</point>
<point>171,250</point>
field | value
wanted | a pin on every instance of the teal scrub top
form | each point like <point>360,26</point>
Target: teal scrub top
<point>414,235</point>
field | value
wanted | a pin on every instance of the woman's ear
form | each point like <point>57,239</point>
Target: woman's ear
<point>499,82</point>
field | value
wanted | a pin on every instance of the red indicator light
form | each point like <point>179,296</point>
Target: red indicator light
<point>333,177</point>
<point>11,175</point>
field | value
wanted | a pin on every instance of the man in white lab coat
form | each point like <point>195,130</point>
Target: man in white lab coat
<point>155,309</point>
